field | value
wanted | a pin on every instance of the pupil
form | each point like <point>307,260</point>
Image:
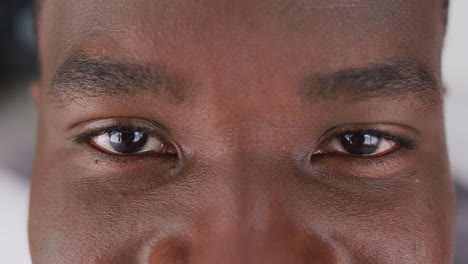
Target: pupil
<point>360,143</point>
<point>127,142</point>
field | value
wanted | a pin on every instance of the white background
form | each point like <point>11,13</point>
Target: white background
<point>455,73</point>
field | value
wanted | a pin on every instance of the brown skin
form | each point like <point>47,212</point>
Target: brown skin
<point>245,184</point>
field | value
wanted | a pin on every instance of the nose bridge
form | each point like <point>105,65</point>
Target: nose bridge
<point>258,224</point>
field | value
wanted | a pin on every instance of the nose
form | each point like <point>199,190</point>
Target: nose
<point>250,216</point>
<point>260,234</point>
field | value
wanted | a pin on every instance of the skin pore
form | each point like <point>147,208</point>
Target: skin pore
<point>260,131</point>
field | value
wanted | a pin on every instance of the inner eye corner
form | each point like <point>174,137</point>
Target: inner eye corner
<point>170,149</point>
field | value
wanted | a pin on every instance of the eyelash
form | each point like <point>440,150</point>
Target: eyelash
<point>400,140</point>
<point>87,137</point>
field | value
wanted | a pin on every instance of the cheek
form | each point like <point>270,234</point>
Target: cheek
<point>112,215</point>
<point>405,221</point>
<point>92,215</point>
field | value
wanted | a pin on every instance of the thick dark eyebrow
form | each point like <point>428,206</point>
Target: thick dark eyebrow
<point>82,76</point>
<point>400,79</point>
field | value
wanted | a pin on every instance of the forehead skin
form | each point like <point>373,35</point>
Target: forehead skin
<point>244,188</point>
<point>355,31</point>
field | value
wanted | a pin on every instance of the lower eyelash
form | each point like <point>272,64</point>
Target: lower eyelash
<point>363,161</point>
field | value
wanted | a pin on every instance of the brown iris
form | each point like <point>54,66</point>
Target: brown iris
<point>360,143</point>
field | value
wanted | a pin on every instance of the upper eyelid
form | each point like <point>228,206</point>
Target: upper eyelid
<point>135,122</point>
<point>90,127</point>
<point>382,134</point>
<point>396,138</point>
<point>369,127</point>
<point>389,130</point>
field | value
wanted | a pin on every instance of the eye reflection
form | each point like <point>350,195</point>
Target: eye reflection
<point>127,141</point>
<point>362,144</point>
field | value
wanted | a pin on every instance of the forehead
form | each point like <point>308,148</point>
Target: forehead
<point>331,34</point>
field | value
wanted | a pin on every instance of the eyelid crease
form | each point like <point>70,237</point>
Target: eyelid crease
<point>98,126</point>
<point>114,120</point>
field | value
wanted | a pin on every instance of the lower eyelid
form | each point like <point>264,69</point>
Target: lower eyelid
<point>363,165</point>
<point>117,164</point>
<point>359,158</point>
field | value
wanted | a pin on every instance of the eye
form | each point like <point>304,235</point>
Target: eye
<point>360,143</point>
<point>128,141</point>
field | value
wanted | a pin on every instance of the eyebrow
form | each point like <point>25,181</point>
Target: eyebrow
<point>84,76</point>
<point>398,79</point>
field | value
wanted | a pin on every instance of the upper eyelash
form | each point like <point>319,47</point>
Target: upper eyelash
<point>86,137</point>
<point>402,141</point>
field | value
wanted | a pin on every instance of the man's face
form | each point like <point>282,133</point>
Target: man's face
<point>184,131</point>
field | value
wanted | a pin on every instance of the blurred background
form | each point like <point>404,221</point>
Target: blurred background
<point>18,68</point>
